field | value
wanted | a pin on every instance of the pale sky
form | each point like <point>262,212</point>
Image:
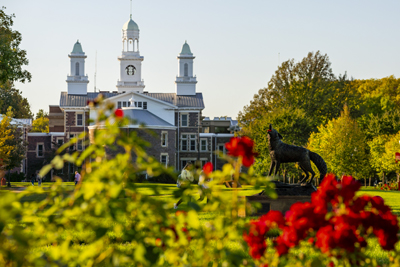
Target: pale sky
<point>236,43</point>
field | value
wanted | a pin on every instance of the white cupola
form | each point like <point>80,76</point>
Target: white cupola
<point>130,60</point>
<point>185,81</point>
<point>77,80</point>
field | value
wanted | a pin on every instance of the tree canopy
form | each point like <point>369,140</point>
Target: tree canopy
<point>12,58</point>
<point>41,123</point>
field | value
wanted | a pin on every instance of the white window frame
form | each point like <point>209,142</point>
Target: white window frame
<point>187,119</point>
<point>79,145</point>
<point>71,147</point>
<point>124,104</point>
<point>164,139</point>
<point>77,119</point>
<point>37,150</point>
<point>144,105</point>
<point>223,149</point>
<point>166,158</point>
<point>201,144</point>
<point>119,104</point>
<point>58,139</point>
<point>186,138</point>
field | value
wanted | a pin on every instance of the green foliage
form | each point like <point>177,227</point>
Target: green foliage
<point>5,136</point>
<point>387,123</point>
<point>12,58</point>
<point>309,85</point>
<point>117,223</point>
<point>342,145</point>
<point>18,144</point>
<point>40,125</point>
<point>11,97</point>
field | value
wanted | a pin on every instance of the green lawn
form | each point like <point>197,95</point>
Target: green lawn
<point>165,192</point>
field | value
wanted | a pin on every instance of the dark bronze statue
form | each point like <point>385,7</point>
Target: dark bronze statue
<point>283,153</point>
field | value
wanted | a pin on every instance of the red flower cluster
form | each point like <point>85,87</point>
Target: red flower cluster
<point>391,186</point>
<point>119,113</point>
<point>335,219</point>
<point>242,147</point>
<point>208,168</point>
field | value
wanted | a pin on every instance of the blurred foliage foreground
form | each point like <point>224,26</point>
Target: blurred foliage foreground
<point>122,227</point>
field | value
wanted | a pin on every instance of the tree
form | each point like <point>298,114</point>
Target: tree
<point>391,147</point>
<point>377,149</point>
<point>5,136</point>
<point>342,145</point>
<point>309,85</point>
<point>387,123</point>
<point>12,58</point>
<point>41,123</point>
<point>11,97</point>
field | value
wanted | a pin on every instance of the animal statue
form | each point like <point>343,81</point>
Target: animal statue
<point>283,153</point>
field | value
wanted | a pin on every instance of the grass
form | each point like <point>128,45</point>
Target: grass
<point>165,193</point>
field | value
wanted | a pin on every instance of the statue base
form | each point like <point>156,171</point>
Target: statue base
<point>288,194</point>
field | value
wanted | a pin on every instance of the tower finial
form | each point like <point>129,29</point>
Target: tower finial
<point>131,9</point>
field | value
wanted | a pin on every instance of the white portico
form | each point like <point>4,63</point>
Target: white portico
<point>130,61</point>
<point>77,80</point>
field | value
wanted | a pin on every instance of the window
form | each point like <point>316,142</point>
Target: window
<point>164,139</point>
<point>183,163</point>
<point>185,70</point>
<point>119,104</point>
<point>188,142</point>
<point>79,119</point>
<point>79,145</point>
<point>206,129</point>
<point>60,141</point>
<point>40,150</point>
<point>221,148</point>
<point>139,104</point>
<point>129,103</point>
<point>124,104</point>
<point>77,69</point>
<point>71,136</point>
<point>203,145</point>
<point>164,159</point>
<point>184,142</point>
<point>144,105</point>
<point>184,120</point>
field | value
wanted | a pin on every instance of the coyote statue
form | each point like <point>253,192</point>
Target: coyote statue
<point>283,153</point>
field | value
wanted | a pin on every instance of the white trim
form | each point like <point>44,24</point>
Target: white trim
<point>136,127</point>
<point>47,134</point>
<point>166,138</point>
<point>187,120</point>
<point>215,135</point>
<point>167,159</point>
<point>37,150</point>
<point>76,118</point>
<point>113,98</point>
<point>203,139</point>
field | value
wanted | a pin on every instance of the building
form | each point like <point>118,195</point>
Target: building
<point>174,117</point>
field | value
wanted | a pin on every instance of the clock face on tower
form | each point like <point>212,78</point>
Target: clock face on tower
<point>130,70</point>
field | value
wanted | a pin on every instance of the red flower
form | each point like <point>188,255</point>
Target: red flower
<point>208,168</point>
<point>242,147</point>
<point>119,113</point>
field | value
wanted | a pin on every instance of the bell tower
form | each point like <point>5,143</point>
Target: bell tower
<point>77,80</point>
<point>130,60</point>
<point>185,81</point>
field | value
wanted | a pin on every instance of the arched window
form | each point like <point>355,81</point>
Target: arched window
<point>185,70</point>
<point>130,45</point>
<point>135,46</point>
<point>77,69</point>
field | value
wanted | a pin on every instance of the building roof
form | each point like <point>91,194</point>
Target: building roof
<point>186,49</point>
<point>19,122</point>
<point>67,100</point>
<point>130,25</point>
<point>181,101</point>
<point>142,116</point>
<point>77,48</point>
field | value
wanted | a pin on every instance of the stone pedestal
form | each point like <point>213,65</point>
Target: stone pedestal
<point>288,194</point>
